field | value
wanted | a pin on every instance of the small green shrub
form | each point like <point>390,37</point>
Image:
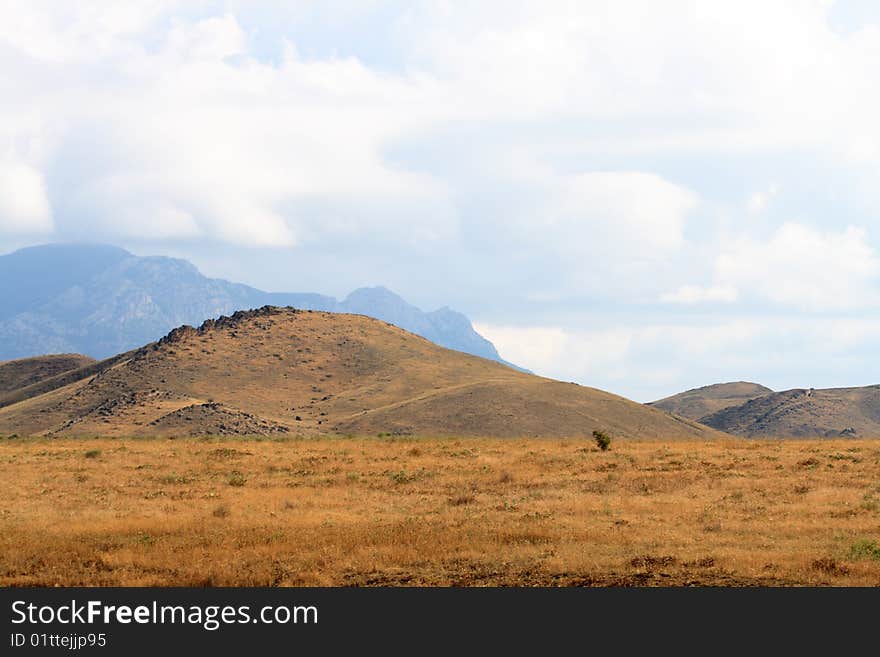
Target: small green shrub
<point>236,479</point>
<point>401,477</point>
<point>864,549</point>
<point>93,453</point>
<point>603,440</point>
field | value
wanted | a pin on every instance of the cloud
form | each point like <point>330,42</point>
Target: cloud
<point>641,360</point>
<point>803,267</point>
<point>630,207</point>
<point>515,158</point>
<point>600,231</point>
<point>557,352</point>
<point>184,111</point>
<point>181,115</point>
<point>263,150</point>
<point>796,266</point>
<point>691,294</point>
<point>24,206</point>
<point>648,360</point>
<point>759,201</point>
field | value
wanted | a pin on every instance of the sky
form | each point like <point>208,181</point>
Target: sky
<point>638,196</point>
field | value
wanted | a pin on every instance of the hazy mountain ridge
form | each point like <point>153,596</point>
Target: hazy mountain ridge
<point>101,300</point>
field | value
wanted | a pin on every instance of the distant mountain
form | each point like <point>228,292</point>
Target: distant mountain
<point>101,300</point>
<point>699,402</point>
<point>445,326</point>
<point>804,413</point>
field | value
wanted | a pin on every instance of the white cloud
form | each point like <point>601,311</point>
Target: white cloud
<point>803,267</point>
<point>594,133</point>
<point>771,72</point>
<point>691,294</point>
<point>186,115</point>
<point>650,360</point>
<point>759,201</point>
<point>186,96</point>
<point>599,230</point>
<point>24,206</point>
<point>558,352</point>
<point>623,207</point>
<point>643,361</point>
<point>796,266</point>
<point>245,151</point>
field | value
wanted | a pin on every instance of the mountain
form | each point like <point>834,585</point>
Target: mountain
<point>802,413</point>
<point>700,402</point>
<point>38,274</point>
<point>101,300</point>
<point>17,374</point>
<point>281,371</point>
<point>444,326</point>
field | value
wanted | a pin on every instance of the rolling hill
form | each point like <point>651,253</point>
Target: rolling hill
<point>16,374</point>
<point>700,402</point>
<point>280,371</point>
<point>804,413</point>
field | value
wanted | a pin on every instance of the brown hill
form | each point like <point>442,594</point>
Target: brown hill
<point>700,402</point>
<point>278,371</point>
<point>835,412</point>
<point>16,374</point>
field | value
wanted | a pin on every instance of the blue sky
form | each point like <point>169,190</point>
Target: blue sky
<point>638,196</point>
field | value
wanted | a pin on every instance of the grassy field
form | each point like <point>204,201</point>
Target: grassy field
<point>384,511</point>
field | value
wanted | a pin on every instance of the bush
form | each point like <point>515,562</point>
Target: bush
<point>401,477</point>
<point>236,479</point>
<point>93,453</point>
<point>603,440</point>
<point>864,549</point>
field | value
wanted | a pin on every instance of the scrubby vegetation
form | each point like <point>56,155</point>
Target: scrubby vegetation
<point>603,440</point>
<point>403,510</point>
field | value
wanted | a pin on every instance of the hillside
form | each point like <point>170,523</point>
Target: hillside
<point>280,371</point>
<point>700,402</point>
<point>834,412</point>
<point>102,300</point>
<point>16,374</point>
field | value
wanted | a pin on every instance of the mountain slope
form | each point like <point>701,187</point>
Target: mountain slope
<point>279,371</point>
<point>35,275</point>
<point>102,300</point>
<point>444,326</point>
<point>17,374</point>
<point>699,402</point>
<point>834,412</point>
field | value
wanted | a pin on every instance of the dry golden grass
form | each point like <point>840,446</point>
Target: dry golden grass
<point>347,511</point>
